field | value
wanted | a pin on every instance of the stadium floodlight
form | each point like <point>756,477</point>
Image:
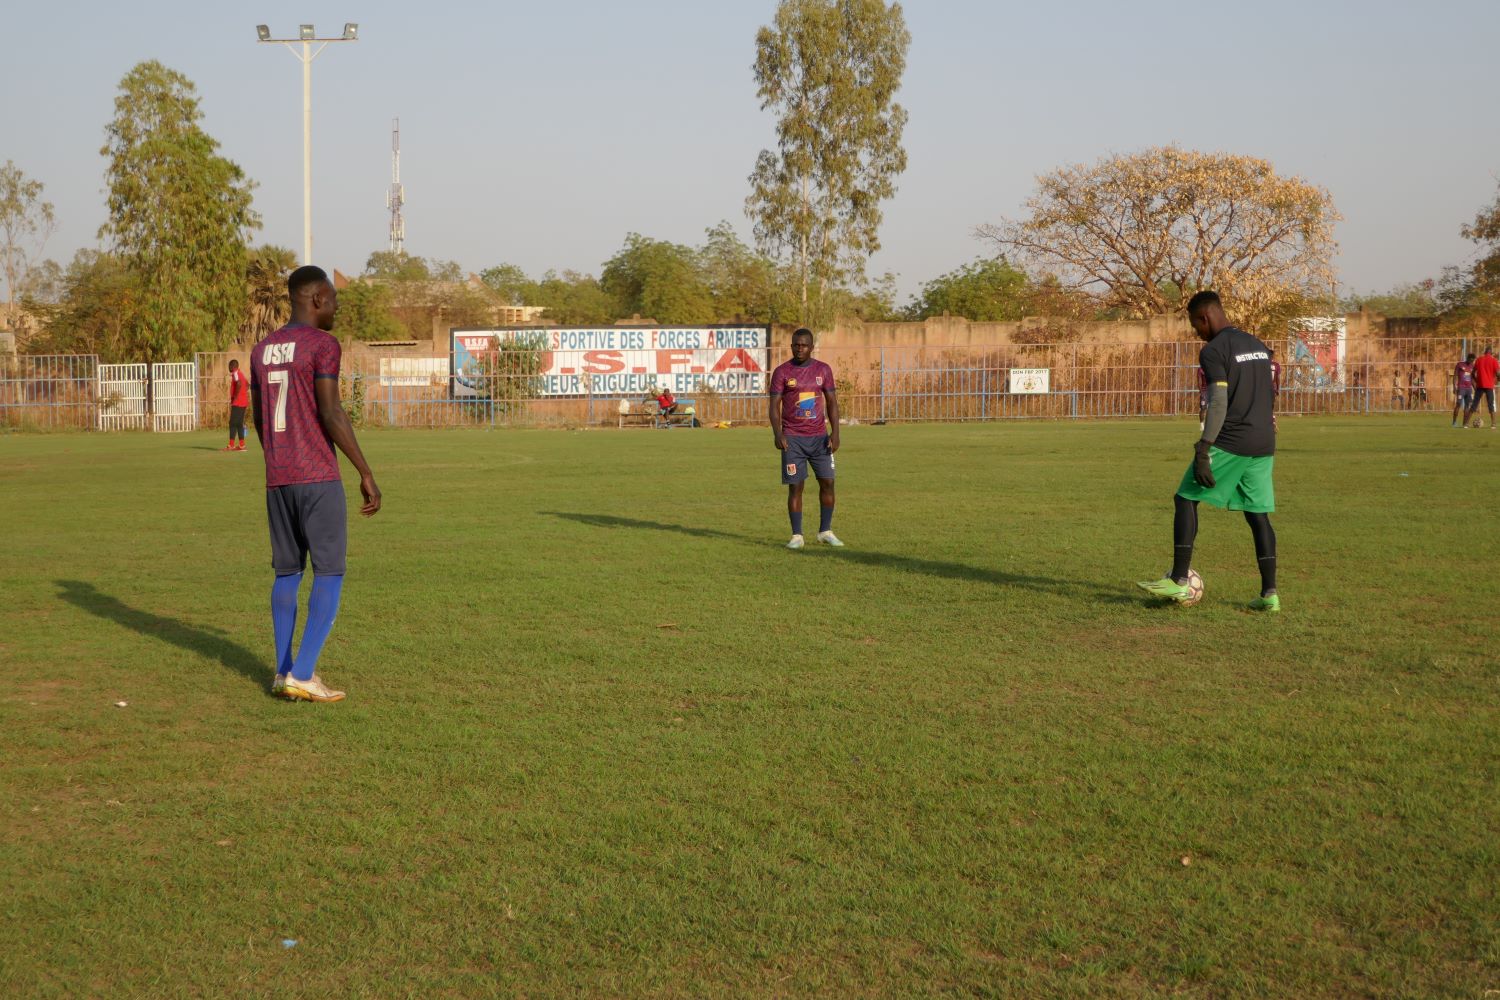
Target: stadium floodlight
<point>302,48</point>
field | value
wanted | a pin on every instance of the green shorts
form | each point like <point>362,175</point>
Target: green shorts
<point>1240,483</point>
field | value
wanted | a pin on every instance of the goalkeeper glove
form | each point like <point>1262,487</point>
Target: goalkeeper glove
<point>1203,468</point>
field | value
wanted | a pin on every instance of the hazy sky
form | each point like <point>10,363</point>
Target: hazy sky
<point>540,134</point>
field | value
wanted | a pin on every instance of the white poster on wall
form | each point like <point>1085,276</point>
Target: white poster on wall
<point>1030,381</point>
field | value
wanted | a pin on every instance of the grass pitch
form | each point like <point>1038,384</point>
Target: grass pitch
<point>606,737</point>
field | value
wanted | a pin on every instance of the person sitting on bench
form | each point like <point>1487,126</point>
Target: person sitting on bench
<point>667,403</point>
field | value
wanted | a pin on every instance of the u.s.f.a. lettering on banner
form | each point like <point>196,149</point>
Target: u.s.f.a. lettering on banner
<point>617,361</point>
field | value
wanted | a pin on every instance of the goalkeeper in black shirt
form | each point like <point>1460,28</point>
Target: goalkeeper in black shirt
<point>1232,462</point>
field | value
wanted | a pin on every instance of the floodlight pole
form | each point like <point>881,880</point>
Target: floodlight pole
<point>306,57</point>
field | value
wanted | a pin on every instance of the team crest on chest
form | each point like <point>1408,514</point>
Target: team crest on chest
<point>820,381</point>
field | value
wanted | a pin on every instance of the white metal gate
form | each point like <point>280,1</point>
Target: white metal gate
<point>122,397</point>
<point>174,395</point>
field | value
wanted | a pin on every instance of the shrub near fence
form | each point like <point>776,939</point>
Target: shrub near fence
<point>1086,381</point>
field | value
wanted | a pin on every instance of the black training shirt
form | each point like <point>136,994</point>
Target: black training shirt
<point>1240,359</point>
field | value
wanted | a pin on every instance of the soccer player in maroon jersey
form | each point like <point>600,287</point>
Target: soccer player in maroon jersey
<point>294,376</point>
<point>805,426</point>
<point>1463,387</point>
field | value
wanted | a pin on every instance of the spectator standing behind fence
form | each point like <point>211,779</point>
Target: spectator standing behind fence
<point>1485,370</point>
<point>1398,398</point>
<point>1416,387</point>
<point>239,399</point>
<point>1463,387</point>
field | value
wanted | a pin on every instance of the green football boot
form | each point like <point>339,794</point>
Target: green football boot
<point>1167,588</point>
<point>1271,604</point>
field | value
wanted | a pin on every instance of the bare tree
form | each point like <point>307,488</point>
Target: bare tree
<point>1144,231</point>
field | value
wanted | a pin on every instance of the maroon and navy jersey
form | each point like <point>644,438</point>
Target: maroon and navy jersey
<point>283,368</point>
<point>1463,376</point>
<point>803,390</point>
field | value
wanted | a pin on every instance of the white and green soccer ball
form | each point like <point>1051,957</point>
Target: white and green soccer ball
<point>1195,589</point>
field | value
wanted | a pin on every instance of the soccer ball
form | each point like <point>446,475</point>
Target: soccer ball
<point>1195,588</point>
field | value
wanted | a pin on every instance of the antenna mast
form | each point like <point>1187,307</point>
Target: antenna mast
<point>396,196</point>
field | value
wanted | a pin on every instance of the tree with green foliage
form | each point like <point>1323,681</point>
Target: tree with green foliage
<point>1473,290</point>
<point>985,291</point>
<point>510,284</point>
<point>829,70</point>
<point>659,280</point>
<point>267,305</point>
<point>406,267</point>
<point>179,214</point>
<point>569,298</point>
<point>94,309</point>
<point>391,266</point>
<point>43,285</point>
<point>366,313</point>
<point>26,221</point>
<point>741,282</point>
<point>1403,301</point>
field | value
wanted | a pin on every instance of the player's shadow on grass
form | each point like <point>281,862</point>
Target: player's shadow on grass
<point>191,638</point>
<point>884,560</point>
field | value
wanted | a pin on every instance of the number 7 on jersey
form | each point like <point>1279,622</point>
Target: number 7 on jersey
<point>278,379</point>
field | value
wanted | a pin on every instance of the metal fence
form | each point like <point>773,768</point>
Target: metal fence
<point>905,384</point>
<point>49,391</point>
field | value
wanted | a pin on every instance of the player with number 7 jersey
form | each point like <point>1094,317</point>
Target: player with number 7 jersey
<point>285,367</point>
<point>294,378</point>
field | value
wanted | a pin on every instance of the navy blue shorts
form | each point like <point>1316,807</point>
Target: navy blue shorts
<point>308,518</point>
<point>802,452</point>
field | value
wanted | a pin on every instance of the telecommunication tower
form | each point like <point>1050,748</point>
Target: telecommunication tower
<point>396,196</point>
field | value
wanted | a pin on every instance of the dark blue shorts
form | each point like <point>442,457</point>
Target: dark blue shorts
<point>802,452</point>
<point>308,518</point>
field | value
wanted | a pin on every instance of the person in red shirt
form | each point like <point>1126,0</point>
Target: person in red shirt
<point>1485,371</point>
<point>667,402</point>
<point>239,400</point>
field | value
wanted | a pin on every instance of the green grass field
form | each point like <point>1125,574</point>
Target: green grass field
<point>606,737</point>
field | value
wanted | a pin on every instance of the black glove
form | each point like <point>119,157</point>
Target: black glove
<point>1203,468</point>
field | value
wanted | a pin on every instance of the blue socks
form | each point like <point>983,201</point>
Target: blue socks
<point>322,608</point>
<point>796,516</point>
<point>284,617</point>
